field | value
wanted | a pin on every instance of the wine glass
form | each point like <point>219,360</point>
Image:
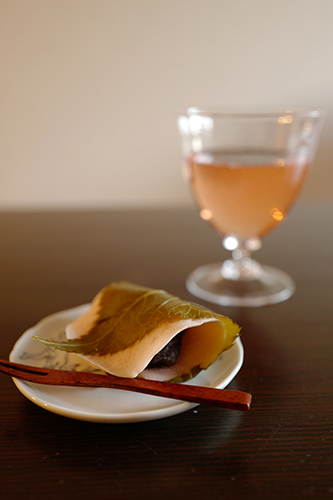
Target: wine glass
<point>245,168</point>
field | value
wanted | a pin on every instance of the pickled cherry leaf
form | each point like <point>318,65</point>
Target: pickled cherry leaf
<point>128,312</point>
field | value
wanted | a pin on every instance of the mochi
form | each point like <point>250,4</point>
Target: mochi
<point>127,325</point>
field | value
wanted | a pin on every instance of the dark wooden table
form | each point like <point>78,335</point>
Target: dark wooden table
<point>281,449</point>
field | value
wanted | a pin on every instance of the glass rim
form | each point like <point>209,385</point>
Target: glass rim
<point>253,111</point>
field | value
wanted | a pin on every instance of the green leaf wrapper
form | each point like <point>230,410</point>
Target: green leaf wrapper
<point>128,324</point>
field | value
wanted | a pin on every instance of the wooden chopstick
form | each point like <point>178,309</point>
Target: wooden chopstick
<point>223,398</point>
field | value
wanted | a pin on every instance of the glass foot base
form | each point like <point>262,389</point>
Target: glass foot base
<point>272,286</point>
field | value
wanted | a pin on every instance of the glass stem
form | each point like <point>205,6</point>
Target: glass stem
<point>241,267</point>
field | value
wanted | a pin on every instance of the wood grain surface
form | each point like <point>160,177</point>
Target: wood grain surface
<point>281,449</point>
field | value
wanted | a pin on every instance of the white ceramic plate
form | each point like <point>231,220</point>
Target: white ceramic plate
<point>103,405</point>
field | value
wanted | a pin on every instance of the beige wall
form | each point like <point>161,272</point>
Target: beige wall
<point>89,90</point>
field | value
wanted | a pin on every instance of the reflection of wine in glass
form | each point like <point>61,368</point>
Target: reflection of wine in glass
<point>245,171</point>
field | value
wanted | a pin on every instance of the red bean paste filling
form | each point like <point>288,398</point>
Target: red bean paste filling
<point>169,354</point>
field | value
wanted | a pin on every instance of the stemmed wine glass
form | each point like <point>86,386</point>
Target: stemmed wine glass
<point>245,168</point>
